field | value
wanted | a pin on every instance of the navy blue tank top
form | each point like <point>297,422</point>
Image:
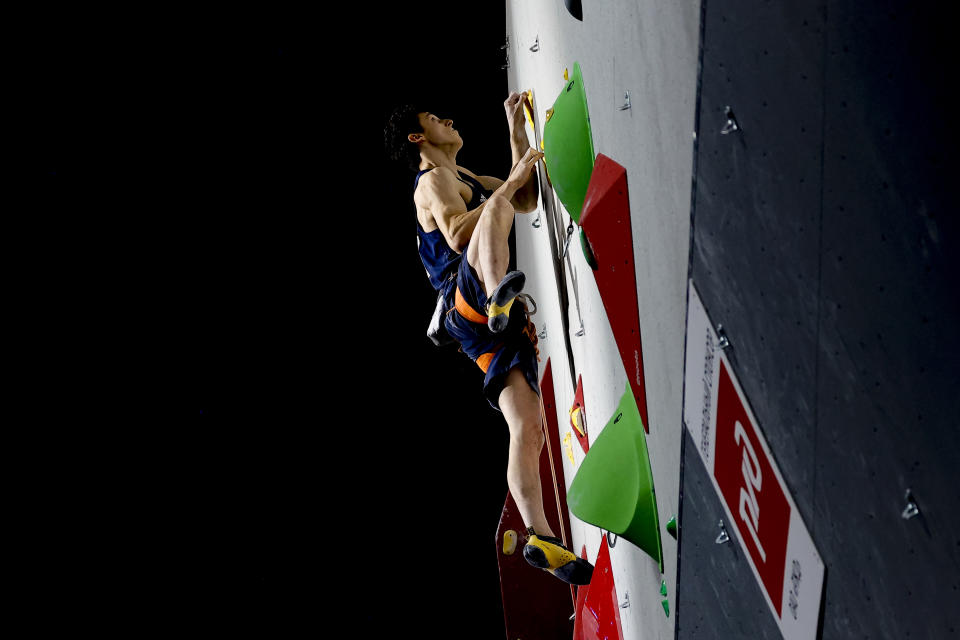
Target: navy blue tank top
<point>438,258</point>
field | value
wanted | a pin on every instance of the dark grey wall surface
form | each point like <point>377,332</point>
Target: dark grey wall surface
<point>718,596</point>
<point>825,241</point>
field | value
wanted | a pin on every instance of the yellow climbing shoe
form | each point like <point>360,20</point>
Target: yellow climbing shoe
<point>501,300</point>
<point>550,555</point>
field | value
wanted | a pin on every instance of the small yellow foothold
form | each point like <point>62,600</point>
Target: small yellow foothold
<point>509,542</point>
<point>566,76</point>
<point>567,444</point>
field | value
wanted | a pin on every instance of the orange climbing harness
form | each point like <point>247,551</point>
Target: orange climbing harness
<point>468,312</point>
<point>483,361</point>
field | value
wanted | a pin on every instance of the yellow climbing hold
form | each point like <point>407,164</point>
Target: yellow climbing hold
<point>509,542</point>
<point>526,109</point>
<point>577,419</point>
<point>568,445</point>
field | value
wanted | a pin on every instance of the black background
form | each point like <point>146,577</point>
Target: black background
<point>347,468</point>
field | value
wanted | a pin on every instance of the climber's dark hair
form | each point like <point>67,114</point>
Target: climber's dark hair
<point>402,122</point>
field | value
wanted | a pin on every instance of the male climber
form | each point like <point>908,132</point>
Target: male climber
<point>462,214</point>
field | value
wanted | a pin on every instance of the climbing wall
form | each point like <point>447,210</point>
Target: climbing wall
<point>649,52</point>
<point>795,381</point>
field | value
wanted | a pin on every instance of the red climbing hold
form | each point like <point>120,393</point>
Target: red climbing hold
<point>578,417</point>
<point>606,222</point>
<point>598,612</point>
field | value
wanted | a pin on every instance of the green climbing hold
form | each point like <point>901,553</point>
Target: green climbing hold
<point>663,587</point>
<point>666,606</point>
<point>613,488</point>
<point>568,145</point>
<point>672,527</point>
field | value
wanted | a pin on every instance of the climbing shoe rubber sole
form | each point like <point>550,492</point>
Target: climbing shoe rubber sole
<point>501,300</point>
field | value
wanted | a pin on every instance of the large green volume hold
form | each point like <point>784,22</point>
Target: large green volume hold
<point>613,488</point>
<point>568,145</point>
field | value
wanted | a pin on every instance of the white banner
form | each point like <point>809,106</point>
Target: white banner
<point>754,495</point>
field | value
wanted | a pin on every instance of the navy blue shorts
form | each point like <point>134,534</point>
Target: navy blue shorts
<point>500,352</point>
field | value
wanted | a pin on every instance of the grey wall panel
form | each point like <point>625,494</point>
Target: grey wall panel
<point>755,253</point>
<point>889,343</point>
<point>825,241</point>
<point>755,262</point>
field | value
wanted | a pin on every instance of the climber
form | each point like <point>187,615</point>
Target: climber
<point>481,305</point>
